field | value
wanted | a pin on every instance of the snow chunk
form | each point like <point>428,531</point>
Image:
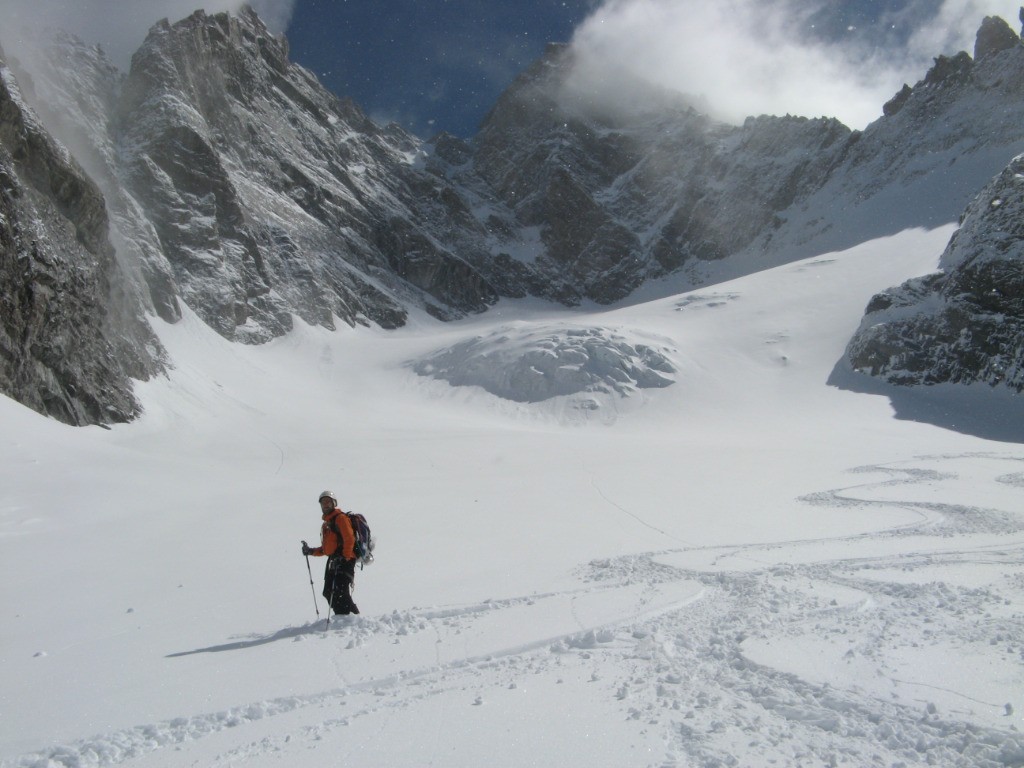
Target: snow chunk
<point>532,364</point>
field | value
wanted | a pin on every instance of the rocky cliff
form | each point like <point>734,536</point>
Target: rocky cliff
<point>965,323</point>
<point>619,196</point>
<point>271,197</point>
<point>68,346</point>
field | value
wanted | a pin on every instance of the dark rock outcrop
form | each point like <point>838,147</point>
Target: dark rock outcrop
<point>895,104</point>
<point>994,36</point>
<point>966,323</point>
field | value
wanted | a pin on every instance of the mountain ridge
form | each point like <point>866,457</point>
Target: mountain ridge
<point>236,183</point>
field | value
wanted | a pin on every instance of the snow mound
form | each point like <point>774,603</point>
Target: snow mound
<point>534,364</point>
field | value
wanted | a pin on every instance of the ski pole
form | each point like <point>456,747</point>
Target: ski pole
<point>310,570</point>
<point>330,600</point>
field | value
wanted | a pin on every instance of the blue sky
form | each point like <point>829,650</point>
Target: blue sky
<point>427,65</point>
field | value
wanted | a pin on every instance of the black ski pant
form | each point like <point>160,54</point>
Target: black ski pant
<point>339,578</point>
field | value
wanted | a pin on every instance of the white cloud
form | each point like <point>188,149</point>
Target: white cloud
<point>953,26</point>
<point>750,57</point>
<point>120,26</point>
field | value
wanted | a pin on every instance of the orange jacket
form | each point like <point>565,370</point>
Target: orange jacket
<point>329,544</point>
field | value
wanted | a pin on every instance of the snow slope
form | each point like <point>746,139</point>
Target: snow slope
<point>743,567</point>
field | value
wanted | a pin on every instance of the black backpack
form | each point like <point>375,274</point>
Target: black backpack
<point>365,542</point>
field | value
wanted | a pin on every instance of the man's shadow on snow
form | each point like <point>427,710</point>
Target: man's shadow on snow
<point>281,634</point>
<point>992,413</point>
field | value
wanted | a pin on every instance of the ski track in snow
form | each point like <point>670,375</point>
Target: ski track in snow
<point>692,667</point>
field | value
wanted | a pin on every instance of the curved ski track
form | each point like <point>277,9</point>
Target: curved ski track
<point>683,664</point>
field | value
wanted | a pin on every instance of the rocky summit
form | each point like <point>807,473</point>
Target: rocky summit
<point>219,176</point>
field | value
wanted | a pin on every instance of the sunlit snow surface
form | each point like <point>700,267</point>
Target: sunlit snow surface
<point>746,567</point>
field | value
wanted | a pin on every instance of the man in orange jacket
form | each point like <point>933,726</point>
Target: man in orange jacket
<point>337,542</point>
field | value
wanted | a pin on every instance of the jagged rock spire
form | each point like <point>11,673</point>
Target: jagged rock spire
<point>994,36</point>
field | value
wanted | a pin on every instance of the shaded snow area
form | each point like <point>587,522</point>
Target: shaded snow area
<point>749,568</point>
<point>530,364</point>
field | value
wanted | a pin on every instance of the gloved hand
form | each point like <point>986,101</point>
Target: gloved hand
<point>305,548</point>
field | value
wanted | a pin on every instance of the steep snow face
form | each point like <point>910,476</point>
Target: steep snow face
<point>530,364</point>
<point>964,324</point>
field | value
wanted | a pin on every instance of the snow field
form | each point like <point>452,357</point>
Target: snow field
<point>746,567</point>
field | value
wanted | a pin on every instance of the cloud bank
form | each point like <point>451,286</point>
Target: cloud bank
<point>803,57</point>
<point>120,26</point>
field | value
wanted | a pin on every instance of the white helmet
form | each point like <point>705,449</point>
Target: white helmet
<point>328,495</point>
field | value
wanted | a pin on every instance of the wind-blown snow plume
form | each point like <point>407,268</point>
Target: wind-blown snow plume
<point>119,26</point>
<point>745,57</point>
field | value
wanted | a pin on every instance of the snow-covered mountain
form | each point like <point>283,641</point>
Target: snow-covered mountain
<point>623,193</point>
<point>235,183</point>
